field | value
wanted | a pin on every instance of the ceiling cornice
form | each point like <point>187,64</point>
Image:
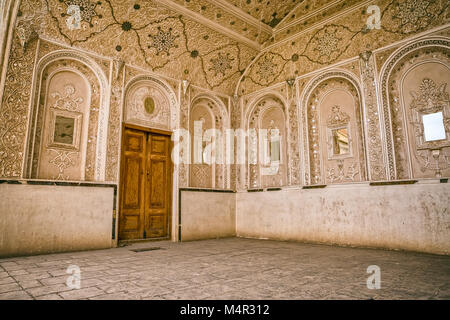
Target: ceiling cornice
<point>242,15</point>
<point>287,16</point>
<point>279,28</point>
<point>344,12</point>
<point>211,24</point>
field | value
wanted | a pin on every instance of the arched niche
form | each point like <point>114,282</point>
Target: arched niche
<point>416,110</point>
<point>267,135</point>
<point>69,119</point>
<point>208,122</point>
<point>151,103</point>
<point>334,129</point>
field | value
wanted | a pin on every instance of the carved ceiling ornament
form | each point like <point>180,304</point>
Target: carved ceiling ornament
<point>305,47</point>
<point>414,14</point>
<point>327,43</point>
<point>397,149</point>
<point>152,36</point>
<point>163,41</point>
<point>221,64</point>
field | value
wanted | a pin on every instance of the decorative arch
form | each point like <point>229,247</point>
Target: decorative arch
<point>413,84</point>
<point>333,129</point>
<point>267,112</point>
<point>212,114</point>
<point>164,116</point>
<point>90,155</point>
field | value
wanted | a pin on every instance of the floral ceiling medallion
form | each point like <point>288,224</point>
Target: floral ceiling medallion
<point>266,67</point>
<point>221,64</point>
<point>327,44</point>
<point>164,41</point>
<point>412,12</point>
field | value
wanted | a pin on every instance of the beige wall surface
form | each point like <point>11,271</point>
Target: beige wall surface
<point>36,219</point>
<point>206,215</point>
<point>409,217</point>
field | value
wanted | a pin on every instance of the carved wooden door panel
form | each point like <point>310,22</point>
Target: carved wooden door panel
<point>132,186</point>
<point>145,187</point>
<point>158,186</point>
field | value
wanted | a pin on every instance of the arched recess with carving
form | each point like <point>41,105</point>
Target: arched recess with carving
<point>208,122</point>
<point>334,149</point>
<point>150,102</point>
<point>266,144</point>
<point>416,110</point>
<point>69,119</point>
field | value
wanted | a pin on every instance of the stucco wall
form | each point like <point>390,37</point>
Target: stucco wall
<point>37,219</point>
<point>207,215</point>
<point>410,217</point>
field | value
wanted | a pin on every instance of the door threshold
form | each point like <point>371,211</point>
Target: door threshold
<point>131,241</point>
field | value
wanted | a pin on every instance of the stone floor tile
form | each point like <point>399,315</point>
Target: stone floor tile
<point>4,288</point>
<point>15,295</point>
<point>228,269</point>
<point>81,293</point>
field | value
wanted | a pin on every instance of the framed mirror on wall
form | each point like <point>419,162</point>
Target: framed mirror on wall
<point>65,129</point>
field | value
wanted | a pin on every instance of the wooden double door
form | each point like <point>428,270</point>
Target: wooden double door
<point>145,184</point>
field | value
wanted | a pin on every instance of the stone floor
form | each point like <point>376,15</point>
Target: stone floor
<point>227,269</point>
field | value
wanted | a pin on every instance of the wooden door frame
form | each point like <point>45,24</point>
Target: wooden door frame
<point>170,178</point>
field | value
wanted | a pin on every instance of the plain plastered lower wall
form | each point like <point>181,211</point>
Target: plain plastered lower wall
<point>37,219</point>
<point>409,217</point>
<point>207,215</point>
